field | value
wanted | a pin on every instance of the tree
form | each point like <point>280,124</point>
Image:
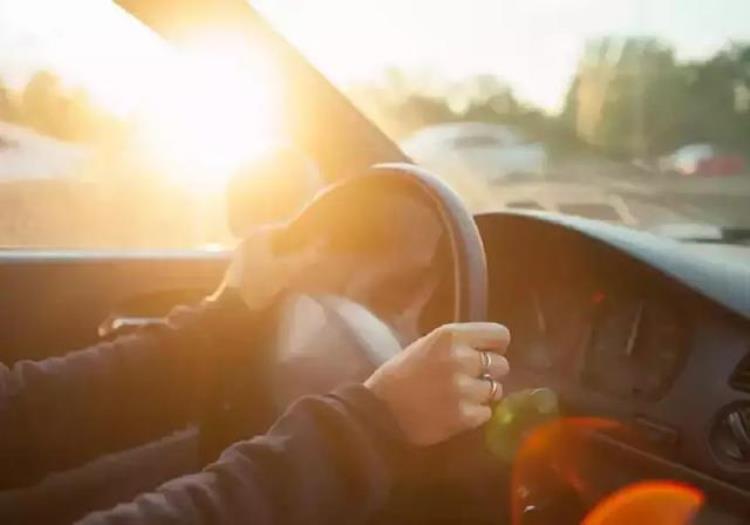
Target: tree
<point>632,98</point>
<point>9,111</point>
<point>41,103</point>
<point>48,108</point>
<point>5,104</point>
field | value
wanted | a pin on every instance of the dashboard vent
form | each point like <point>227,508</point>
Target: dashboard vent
<point>730,436</point>
<point>740,379</point>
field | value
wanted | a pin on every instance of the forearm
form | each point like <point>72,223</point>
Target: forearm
<point>63,411</point>
<point>328,460</point>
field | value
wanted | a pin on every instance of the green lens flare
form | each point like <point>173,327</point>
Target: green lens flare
<point>515,416</point>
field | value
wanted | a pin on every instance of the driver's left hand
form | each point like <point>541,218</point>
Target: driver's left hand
<point>259,274</point>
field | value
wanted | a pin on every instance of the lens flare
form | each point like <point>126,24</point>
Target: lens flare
<point>648,503</point>
<point>557,447</point>
<point>555,456</point>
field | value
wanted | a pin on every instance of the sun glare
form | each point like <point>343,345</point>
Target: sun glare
<point>212,109</point>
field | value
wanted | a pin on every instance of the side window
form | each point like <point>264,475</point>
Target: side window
<point>112,139</point>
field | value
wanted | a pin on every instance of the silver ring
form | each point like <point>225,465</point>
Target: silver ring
<point>493,388</point>
<point>486,362</point>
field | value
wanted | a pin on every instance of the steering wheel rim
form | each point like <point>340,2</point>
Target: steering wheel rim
<point>467,249</point>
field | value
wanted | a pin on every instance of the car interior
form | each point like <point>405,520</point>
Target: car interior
<point>644,342</point>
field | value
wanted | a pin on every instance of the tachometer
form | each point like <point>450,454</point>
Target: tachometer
<point>635,348</point>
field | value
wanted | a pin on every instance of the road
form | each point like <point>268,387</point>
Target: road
<point>716,200</point>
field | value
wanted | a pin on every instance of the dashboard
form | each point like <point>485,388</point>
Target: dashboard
<point>617,333</point>
<point>630,328</point>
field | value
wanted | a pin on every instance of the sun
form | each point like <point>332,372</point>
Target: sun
<point>213,107</point>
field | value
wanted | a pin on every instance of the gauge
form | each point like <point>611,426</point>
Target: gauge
<point>547,324</point>
<point>635,348</point>
<point>530,347</point>
<point>608,365</point>
<point>567,311</point>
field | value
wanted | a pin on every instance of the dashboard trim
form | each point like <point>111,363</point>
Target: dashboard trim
<point>729,287</point>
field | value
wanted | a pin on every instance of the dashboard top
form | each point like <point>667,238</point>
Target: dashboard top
<point>716,272</point>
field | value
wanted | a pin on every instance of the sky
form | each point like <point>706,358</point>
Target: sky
<point>534,45</point>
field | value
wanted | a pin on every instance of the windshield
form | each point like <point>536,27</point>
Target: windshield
<point>629,111</point>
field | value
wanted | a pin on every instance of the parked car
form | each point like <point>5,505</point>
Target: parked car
<point>703,159</point>
<point>490,151</point>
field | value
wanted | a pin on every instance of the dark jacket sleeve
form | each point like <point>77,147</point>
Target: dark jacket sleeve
<point>327,460</point>
<point>61,412</point>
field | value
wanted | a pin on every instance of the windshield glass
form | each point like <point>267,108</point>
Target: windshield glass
<point>112,138</point>
<point>630,111</point>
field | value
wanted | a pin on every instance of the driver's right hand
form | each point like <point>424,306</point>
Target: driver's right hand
<point>442,385</point>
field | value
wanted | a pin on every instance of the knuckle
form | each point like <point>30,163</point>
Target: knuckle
<point>454,408</point>
<point>466,359</point>
<point>441,330</point>
<point>463,414</point>
<point>501,365</point>
<point>457,382</point>
<point>439,341</point>
<point>473,415</point>
<point>461,383</point>
<point>445,335</point>
<point>457,355</point>
<point>483,415</point>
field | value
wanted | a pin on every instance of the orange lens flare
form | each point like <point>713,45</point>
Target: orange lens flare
<point>648,503</point>
<point>558,449</point>
<point>559,445</point>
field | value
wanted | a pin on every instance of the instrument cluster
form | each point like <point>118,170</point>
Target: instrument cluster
<point>622,339</point>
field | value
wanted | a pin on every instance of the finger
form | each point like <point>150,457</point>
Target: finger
<point>473,415</point>
<point>485,336</point>
<point>498,368</point>
<point>470,362</point>
<point>479,391</point>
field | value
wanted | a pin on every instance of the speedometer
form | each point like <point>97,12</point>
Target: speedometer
<point>549,326</point>
<point>635,348</point>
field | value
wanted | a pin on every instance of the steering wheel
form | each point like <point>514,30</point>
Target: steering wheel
<point>411,258</point>
<point>398,223</point>
<point>338,336</point>
<point>418,260</point>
